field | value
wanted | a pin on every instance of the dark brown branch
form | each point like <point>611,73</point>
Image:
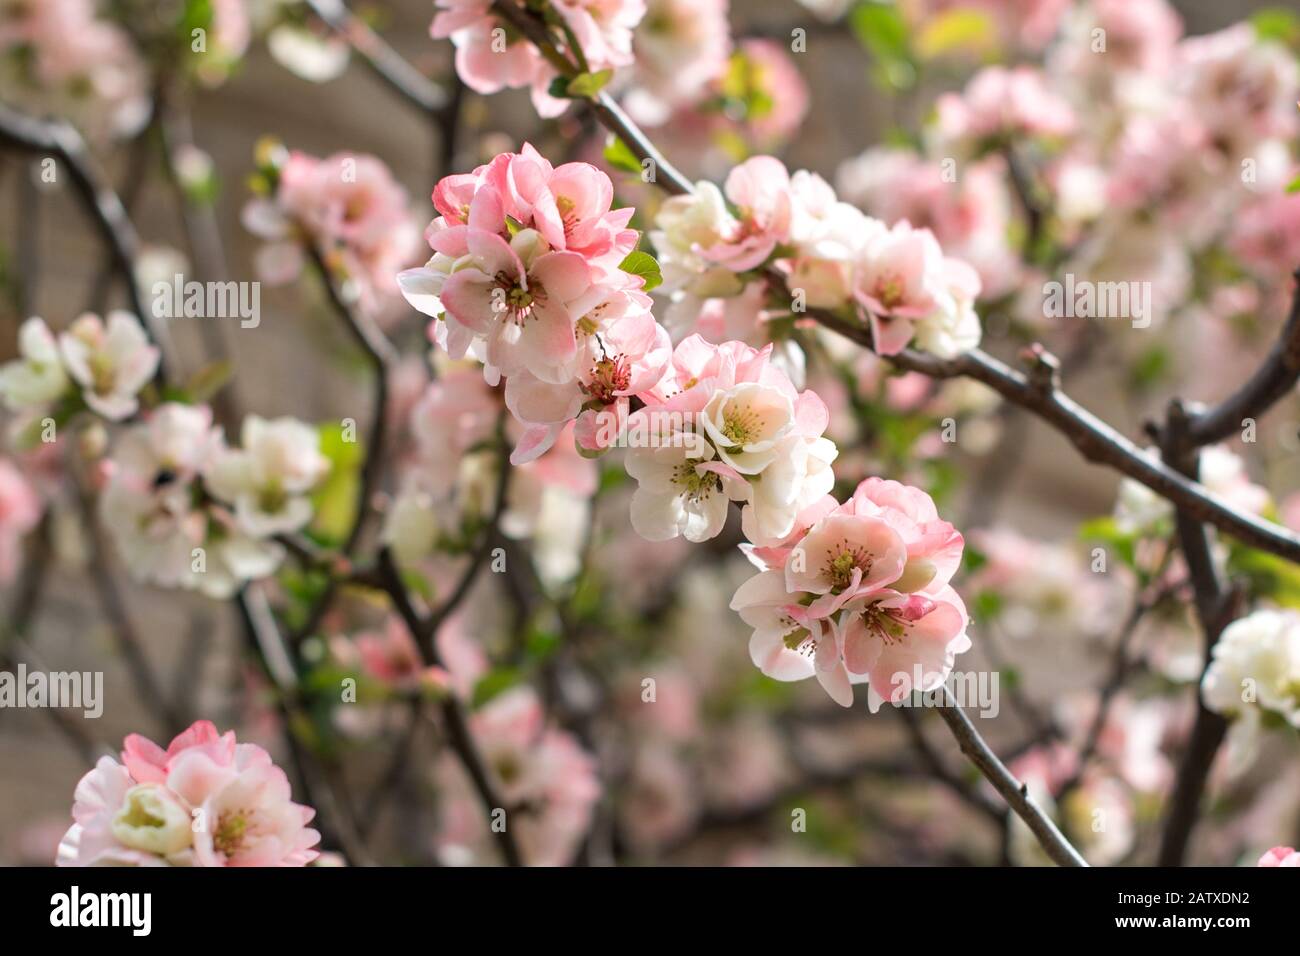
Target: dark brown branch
<point>1215,608</point>
<point>385,62</point>
<point>1275,378</point>
<point>1012,790</point>
<point>59,140</point>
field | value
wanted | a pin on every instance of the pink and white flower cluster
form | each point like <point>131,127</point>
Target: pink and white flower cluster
<point>859,593</point>
<point>61,57</point>
<point>187,511</point>
<point>713,243</point>
<point>109,362</point>
<point>526,277</point>
<point>725,425</point>
<point>492,56</point>
<point>206,800</point>
<point>352,212</point>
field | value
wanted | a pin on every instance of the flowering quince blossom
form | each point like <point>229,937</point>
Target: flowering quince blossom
<point>681,48</point>
<point>38,376</point>
<point>859,594</point>
<point>204,801</point>
<point>724,425</point>
<point>20,510</point>
<point>354,213</point>
<point>1254,677</point>
<point>525,277</point>
<point>1280,856</point>
<point>490,57</point>
<point>153,504</point>
<point>833,256</point>
<point>61,57</point>
<point>1001,102</point>
<point>111,363</point>
<point>267,480</point>
<point>539,769</point>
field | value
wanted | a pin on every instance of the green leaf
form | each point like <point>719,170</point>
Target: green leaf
<point>956,31</point>
<point>620,156</point>
<point>587,85</point>
<point>494,682</point>
<point>1294,185</point>
<point>335,501</point>
<point>881,30</point>
<point>644,265</point>
<point>209,380</point>
<point>1107,532</point>
<point>1276,23</point>
<point>1268,575</point>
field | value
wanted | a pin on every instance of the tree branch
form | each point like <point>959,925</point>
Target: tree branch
<point>59,140</point>
<point>385,62</point>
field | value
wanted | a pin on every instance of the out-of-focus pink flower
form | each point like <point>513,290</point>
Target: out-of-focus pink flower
<point>204,801</point>
<point>111,362</point>
<point>772,78</point>
<point>355,215</point>
<point>546,779</point>
<point>1280,856</point>
<point>20,510</point>
<point>59,56</point>
<point>1003,102</point>
<point>1266,235</point>
<point>681,49</point>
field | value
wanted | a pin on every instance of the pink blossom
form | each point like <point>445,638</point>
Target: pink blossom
<point>1003,102</point>
<point>490,57</point>
<point>20,510</point>
<point>204,801</point>
<point>1280,856</point>
<point>681,48</point>
<point>542,773</point>
<point>760,190</point>
<point>861,597</point>
<point>75,64</point>
<point>354,213</point>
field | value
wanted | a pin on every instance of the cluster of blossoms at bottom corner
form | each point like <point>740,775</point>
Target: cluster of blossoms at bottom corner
<point>526,277</point>
<point>106,362</point>
<point>859,593</point>
<point>188,511</point>
<point>206,800</point>
<point>350,210</point>
<point>717,244</point>
<point>491,55</point>
<point>1254,679</point>
<point>1280,856</point>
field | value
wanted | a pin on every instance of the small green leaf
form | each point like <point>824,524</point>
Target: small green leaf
<point>587,85</point>
<point>644,265</point>
<point>621,157</point>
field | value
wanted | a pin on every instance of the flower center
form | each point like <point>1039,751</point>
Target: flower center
<point>696,485</point>
<point>231,830</point>
<point>889,290</point>
<point>839,569</point>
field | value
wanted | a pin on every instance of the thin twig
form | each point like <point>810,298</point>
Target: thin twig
<point>60,140</point>
<point>385,62</point>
